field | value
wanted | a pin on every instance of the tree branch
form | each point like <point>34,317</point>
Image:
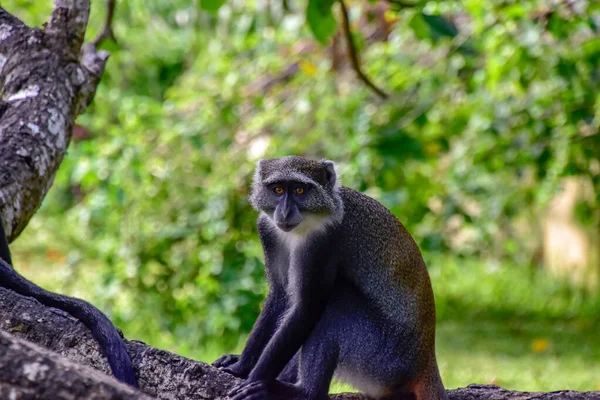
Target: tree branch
<point>107,30</point>
<point>69,21</point>
<point>352,52</point>
<point>28,371</point>
<point>160,374</point>
<point>402,4</point>
<point>43,88</point>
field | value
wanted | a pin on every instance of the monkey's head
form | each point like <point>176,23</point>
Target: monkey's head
<point>297,193</point>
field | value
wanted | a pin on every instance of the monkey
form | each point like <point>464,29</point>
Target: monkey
<point>102,329</point>
<point>349,294</point>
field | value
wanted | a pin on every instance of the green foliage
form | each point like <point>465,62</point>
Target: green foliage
<point>320,19</point>
<point>439,26</point>
<point>211,5</point>
<point>492,105</point>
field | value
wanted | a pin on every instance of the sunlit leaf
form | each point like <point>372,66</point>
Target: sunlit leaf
<point>211,5</point>
<point>419,26</point>
<point>390,16</point>
<point>320,19</point>
<point>591,47</point>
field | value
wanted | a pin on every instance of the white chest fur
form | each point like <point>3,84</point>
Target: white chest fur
<point>293,242</point>
<point>310,225</point>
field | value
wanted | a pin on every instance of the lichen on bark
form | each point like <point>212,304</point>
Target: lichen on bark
<point>46,80</point>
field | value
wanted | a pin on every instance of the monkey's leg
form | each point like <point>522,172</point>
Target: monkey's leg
<point>344,329</point>
<point>361,347</point>
<point>290,372</point>
<point>349,340</point>
<point>320,354</point>
<point>287,387</point>
<point>317,359</point>
<point>427,385</point>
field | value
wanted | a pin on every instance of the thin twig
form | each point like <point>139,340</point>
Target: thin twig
<point>107,31</point>
<point>402,4</point>
<point>354,55</point>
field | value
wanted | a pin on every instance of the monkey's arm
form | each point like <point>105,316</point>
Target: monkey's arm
<point>264,327</point>
<point>262,331</point>
<point>270,315</point>
<point>314,285</point>
<point>100,326</point>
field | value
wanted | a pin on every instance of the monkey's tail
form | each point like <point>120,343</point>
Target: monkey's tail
<point>102,329</point>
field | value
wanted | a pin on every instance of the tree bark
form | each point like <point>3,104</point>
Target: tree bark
<point>29,372</point>
<point>46,80</point>
<point>161,374</point>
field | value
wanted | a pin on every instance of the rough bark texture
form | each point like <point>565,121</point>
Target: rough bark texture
<point>160,374</point>
<point>29,372</point>
<point>43,87</point>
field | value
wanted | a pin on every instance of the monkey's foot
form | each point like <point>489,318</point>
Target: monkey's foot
<point>230,363</point>
<point>266,390</point>
<point>226,360</point>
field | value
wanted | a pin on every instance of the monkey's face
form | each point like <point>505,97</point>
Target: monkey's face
<point>295,192</point>
<point>289,199</point>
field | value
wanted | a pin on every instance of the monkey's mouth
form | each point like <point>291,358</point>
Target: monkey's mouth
<point>287,226</point>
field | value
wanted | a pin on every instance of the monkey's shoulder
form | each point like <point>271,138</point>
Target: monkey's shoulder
<point>358,206</point>
<point>369,227</point>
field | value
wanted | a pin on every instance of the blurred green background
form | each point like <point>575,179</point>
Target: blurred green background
<point>487,150</point>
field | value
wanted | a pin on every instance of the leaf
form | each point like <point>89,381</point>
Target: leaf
<point>591,48</point>
<point>320,19</point>
<point>211,5</point>
<point>252,28</point>
<point>419,26</point>
<point>390,16</point>
<point>400,146</point>
<point>440,26</point>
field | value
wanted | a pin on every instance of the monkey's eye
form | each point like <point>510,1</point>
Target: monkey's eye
<point>299,190</point>
<point>278,190</point>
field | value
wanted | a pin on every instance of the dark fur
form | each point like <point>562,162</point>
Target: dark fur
<point>353,298</point>
<point>108,337</point>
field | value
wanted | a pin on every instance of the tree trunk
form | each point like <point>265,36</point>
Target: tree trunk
<point>44,85</point>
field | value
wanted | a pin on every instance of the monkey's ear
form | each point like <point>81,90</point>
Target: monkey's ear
<point>330,174</point>
<point>259,169</point>
<point>259,164</point>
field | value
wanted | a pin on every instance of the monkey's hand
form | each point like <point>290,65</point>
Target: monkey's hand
<point>261,390</point>
<point>232,364</point>
<point>253,390</point>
